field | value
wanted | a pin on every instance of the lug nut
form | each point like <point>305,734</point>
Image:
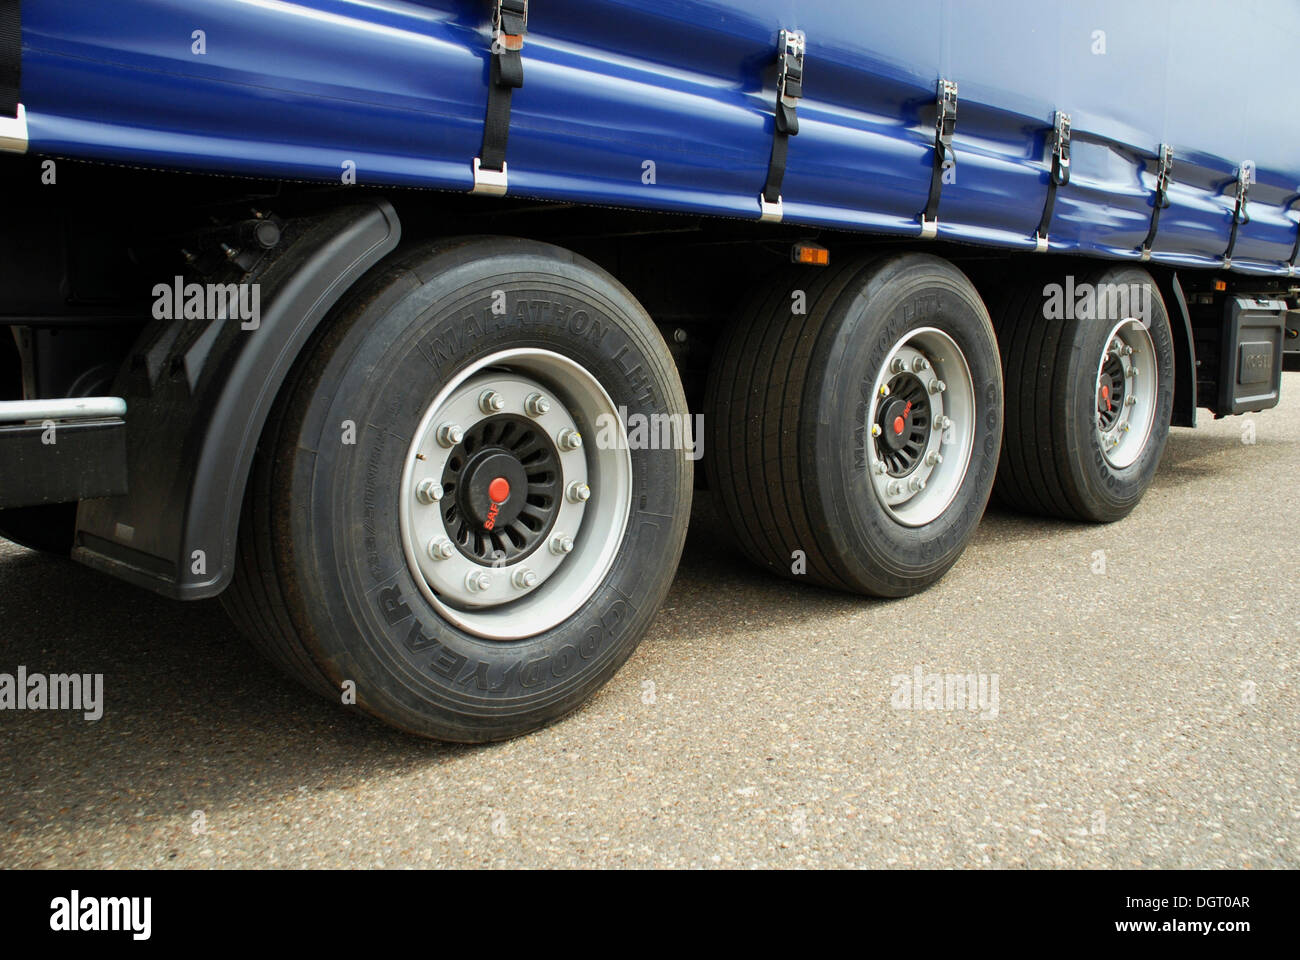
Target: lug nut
<point>894,488</point>
<point>884,389</point>
<point>1128,351</point>
<point>875,429</point>
<point>942,423</point>
<point>490,402</point>
<point>934,458</point>
<point>915,484</point>
<point>578,492</point>
<point>899,365</point>
<point>569,439</point>
<point>524,579</point>
<point>429,491</point>
<point>450,434</point>
<point>1132,371</point>
<point>440,548</point>
<point>938,386</point>
<point>919,364</point>
<point>536,405</point>
<point>880,469</point>
<point>477,581</point>
<point>1130,401</point>
<point>561,544</point>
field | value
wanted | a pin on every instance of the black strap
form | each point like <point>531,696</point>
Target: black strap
<point>1164,173</point>
<point>509,23</point>
<point>789,89</point>
<point>1059,139</point>
<point>945,124</point>
<point>1240,214</point>
<point>11,56</point>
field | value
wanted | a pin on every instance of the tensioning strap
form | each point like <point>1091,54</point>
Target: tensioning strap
<point>789,89</point>
<point>509,23</point>
<point>1160,200</point>
<point>945,124</point>
<point>11,56</point>
<point>1240,215</point>
<point>13,118</point>
<point>1059,177</point>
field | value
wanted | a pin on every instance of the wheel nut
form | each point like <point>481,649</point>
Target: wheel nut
<point>938,386</point>
<point>440,548</point>
<point>561,544</point>
<point>915,484</point>
<point>880,469</point>
<point>875,429</point>
<point>429,491</point>
<point>884,389</point>
<point>524,579</point>
<point>899,365</point>
<point>1132,371</point>
<point>919,364</point>
<point>578,492</point>
<point>894,488</point>
<point>569,439</point>
<point>491,402</point>
<point>942,423</point>
<point>477,581</point>
<point>536,405</point>
<point>934,458</point>
<point>450,434</point>
<point>1128,351</point>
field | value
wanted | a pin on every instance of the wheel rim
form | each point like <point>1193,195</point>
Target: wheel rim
<point>1127,382</point>
<point>922,426</point>
<point>510,518</point>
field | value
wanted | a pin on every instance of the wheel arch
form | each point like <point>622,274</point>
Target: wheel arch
<point>198,396</point>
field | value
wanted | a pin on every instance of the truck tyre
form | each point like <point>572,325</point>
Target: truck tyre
<point>854,416</point>
<point>447,519</point>
<point>1090,393</point>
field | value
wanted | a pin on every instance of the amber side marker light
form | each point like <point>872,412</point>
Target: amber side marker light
<point>810,253</point>
<point>1220,285</point>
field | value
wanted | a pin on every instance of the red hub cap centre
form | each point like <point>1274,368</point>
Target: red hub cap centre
<point>499,490</point>
<point>898,424</point>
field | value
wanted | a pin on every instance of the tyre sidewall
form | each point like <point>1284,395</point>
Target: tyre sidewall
<point>902,294</point>
<point>366,611</point>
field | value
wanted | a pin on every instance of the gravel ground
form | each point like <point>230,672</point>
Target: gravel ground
<point>1145,715</point>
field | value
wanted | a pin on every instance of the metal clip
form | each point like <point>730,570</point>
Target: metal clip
<point>509,23</point>
<point>770,212</point>
<point>1061,149</point>
<point>489,183</point>
<point>1164,173</point>
<point>945,121</point>
<point>13,132</point>
<point>1245,177</point>
<point>789,77</point>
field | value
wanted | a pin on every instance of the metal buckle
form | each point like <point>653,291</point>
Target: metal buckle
<point>1061,149</point>
<point>1245,177</point>
<point>770,212</point>
<point>929,228</point>
<point>1164,173</point>
<point>945,121</point>
<point>490,183</point>
<point>501,40</point>
<point>789,77</point>
<point>13,132</point>
<point>1040,243</point>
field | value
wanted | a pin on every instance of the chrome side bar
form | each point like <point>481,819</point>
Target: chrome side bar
<point>72,408</point>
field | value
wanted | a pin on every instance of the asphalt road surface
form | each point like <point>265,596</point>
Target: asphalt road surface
<point>1145,713</point>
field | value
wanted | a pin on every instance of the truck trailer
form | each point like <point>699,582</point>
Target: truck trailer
<point>401,325</point>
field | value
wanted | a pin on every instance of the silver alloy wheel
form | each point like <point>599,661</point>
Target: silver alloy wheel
<point>921,423</point>
<point>515,494</point>
<point>1127,387</point>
